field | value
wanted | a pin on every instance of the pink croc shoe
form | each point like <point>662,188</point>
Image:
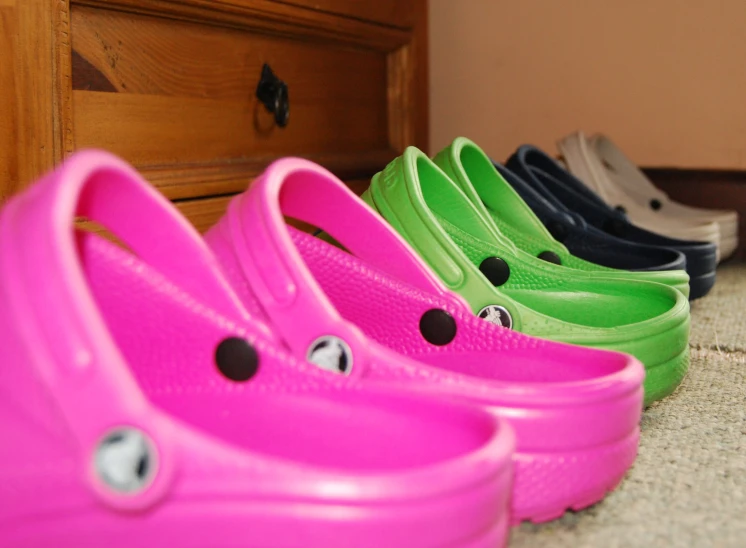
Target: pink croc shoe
<point>140,405</point>
<point>575,411</point>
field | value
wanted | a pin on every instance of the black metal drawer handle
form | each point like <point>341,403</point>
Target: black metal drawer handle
<point>273,93</point>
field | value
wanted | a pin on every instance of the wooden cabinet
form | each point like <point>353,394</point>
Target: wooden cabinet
<point>171,87</point>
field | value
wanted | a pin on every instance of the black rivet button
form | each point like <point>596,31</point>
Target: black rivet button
<point>495,270</point>
<point>438,327</point>
<point>237,359</point>
<point>550,257</point>
<point>557,230</point>
<point>655,204</point>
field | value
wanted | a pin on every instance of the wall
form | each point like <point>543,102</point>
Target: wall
<point>665,79</point>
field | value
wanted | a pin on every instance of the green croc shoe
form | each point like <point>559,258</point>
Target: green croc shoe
<point>470,168</point>
<point>507,286</point>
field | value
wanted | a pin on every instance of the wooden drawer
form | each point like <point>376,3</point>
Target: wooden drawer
<point>396,13</point>
<point>178,98</point>
<point>171,86</point>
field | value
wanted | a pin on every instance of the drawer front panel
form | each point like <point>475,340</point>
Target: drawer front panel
<point>177,99</point>
<point>388,12</point>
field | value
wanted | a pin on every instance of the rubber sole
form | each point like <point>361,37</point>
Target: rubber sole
<point>699,286</point>
<point>663,379</point>
<point>727,246</point>
<point>547,485</point>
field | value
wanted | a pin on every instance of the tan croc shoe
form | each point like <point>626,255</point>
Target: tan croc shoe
<point>622,185</point>
<point>625,173</point>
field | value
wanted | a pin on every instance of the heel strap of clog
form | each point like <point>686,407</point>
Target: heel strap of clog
<point>473,171</point>
<point>623,171</point>
<point>519,166</point>
<point>397,194</point>
<point>536,199</point>
<point>563,184</point>
<point>583,164</point>
<point>274,268</point>
<point>74,354</point>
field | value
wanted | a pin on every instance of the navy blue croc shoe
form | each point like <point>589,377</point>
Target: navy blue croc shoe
<point>587,242</point>
<point>548,179</point>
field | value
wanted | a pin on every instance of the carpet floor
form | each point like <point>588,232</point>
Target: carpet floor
<point>688,485</point>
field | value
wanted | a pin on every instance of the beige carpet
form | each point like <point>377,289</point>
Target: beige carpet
<point>688,486</point>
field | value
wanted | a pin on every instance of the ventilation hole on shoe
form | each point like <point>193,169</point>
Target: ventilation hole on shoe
<point>550,257</point>
<point>655,204</point>
<point>495,270</point>
<point>438,327</point>
<point>621,209</point>
<point>236,359</point>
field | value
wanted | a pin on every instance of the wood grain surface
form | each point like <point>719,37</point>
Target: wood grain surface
<point>160,92</point>
<point>170,86</point>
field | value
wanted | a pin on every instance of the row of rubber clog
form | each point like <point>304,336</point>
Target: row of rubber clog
<point>266,387</point>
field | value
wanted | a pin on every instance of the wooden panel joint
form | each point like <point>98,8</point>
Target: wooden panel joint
<point>267,17</point>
